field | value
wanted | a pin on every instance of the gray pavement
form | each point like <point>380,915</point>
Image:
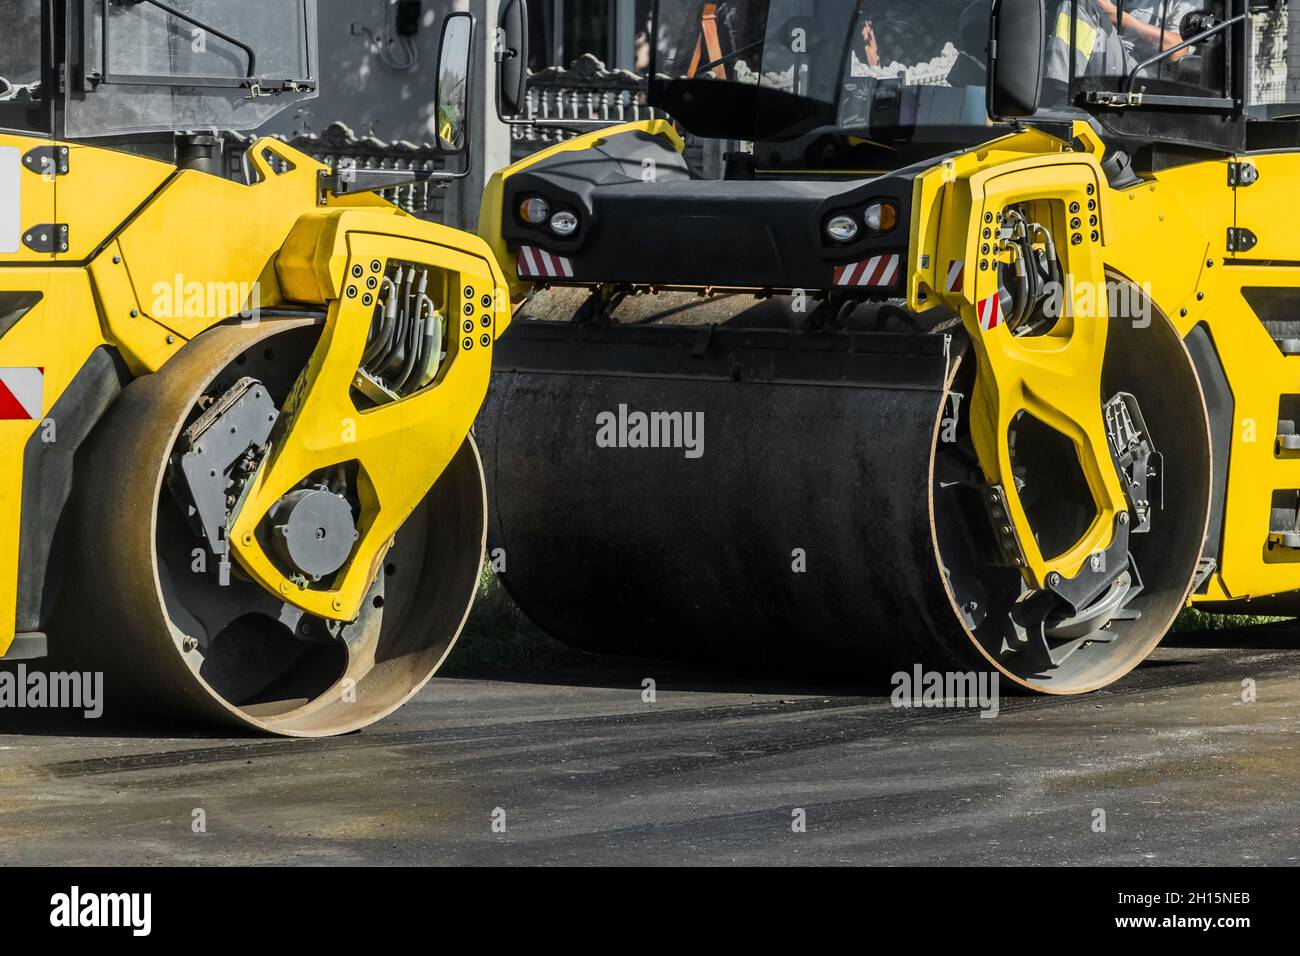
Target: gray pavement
<point>711,772</point>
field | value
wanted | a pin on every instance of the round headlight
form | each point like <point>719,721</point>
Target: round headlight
<point>534,211</point>
<point>881,216</point>
<point>564,224</point>
<point>842,228</point>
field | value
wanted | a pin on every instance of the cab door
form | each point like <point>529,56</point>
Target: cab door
<point>29,241</point>
<point>28,158</point>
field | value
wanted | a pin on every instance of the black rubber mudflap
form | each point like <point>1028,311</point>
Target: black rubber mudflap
<point>774,509</point>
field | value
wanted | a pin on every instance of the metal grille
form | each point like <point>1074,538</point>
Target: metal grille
<point>338,145</point>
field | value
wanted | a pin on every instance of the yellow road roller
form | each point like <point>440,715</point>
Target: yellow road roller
<point>234,418</point>
<point>982,354</point>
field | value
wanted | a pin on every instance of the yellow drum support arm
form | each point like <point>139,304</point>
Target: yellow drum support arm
<point>1055,376</point>
<point>398,449</point>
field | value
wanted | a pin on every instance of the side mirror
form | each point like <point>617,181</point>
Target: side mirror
<point>511,50</point>
<point>453,82</point>
<point>1017,57</point>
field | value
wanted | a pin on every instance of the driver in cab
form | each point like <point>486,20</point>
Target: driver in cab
<point>1110,37</point>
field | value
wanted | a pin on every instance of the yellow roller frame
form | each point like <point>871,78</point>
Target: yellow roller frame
<point>1055,377</point>
<point>400,448</point>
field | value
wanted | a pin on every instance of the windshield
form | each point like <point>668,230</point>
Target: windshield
<point>882,68</point>
<point>20,50</point>
<point>189,64</point>
<point>1141,43</point>
<point>911,73</point>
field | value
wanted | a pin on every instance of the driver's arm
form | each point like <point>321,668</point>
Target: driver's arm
<point>1150,33</point>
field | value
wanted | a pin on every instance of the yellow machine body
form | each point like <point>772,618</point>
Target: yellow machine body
<point>144,258</point>
<point>1168,237</point>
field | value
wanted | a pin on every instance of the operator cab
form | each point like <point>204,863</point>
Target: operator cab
<point>129,73</point>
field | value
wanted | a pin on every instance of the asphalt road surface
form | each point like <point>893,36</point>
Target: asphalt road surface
<point>711,772</point>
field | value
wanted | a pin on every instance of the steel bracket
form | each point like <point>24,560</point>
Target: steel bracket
<point>1241,240</point>
<point>47,237</point>
<point>47,161</point>
<point>1241,175</point>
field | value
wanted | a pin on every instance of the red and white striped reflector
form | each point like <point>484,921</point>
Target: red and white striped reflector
<point>878,271</point>
<point>22,394</point>
<point>990,312</point>
<point>956,275</point>
<point>535,263</point>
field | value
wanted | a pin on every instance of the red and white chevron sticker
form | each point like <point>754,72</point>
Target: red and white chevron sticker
<point>535,263</point>
<point>22,394</point>
<point>956,275</point>
<point>990,312</point>
<point>879,272</point>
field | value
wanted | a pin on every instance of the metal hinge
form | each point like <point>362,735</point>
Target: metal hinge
<point>1241,240</point>
<point>1241,175</point>
<point>47,160</point>
<point>48,237</point>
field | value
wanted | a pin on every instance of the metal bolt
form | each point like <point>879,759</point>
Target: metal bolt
<point>1123,517</point>
<point>117,260</point>
<point>1200,297</point>
<point>189,644</point>
<point>1095,562</point>
<point>171,340</point>
<point>1053,580</point>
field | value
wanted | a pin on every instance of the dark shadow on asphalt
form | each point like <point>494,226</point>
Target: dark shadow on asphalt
<point>1276,636</point>
<point>625,674</point>
<point>71,723</point>
<point>682,678</point>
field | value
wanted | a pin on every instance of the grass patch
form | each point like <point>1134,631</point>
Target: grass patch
<point>1192,621</point>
